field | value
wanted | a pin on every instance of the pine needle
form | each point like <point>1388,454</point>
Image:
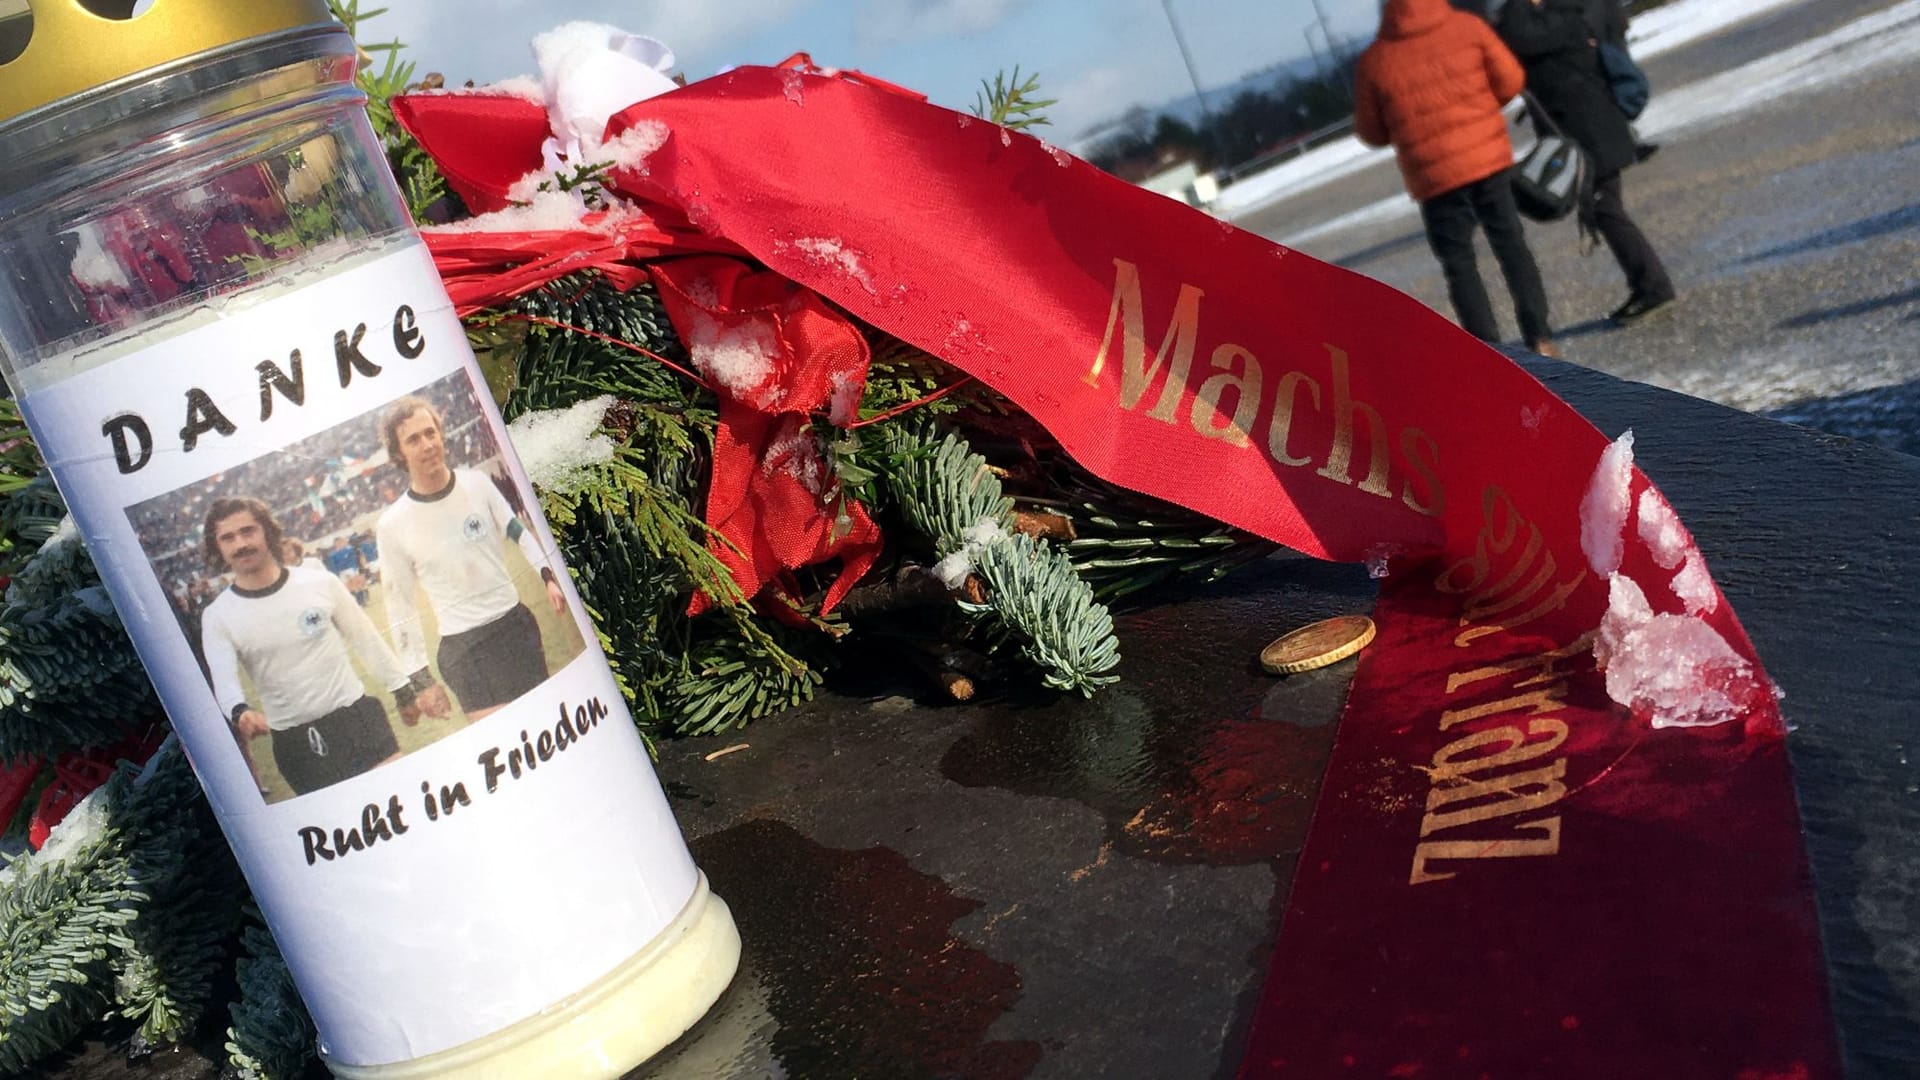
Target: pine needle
<point>1012,103</point>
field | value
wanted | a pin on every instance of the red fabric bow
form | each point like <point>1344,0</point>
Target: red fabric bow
<point>75,776</point>
<point>774,353</point>
<point>483,143</point>
<point>771,501</point>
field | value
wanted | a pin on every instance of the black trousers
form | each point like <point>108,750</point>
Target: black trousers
<point>1450,217</point>
<point>1646,275</point>
<point>494,663</point>
<point>340,745</point>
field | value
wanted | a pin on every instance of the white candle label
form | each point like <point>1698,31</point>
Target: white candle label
<point>337,575</point>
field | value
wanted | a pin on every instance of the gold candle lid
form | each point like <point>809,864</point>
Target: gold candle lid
<point>57,48</point>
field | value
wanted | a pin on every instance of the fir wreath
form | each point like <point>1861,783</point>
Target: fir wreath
<point>1001,556</point>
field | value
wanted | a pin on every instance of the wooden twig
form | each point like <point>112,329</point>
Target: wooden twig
<point>1044,525</point>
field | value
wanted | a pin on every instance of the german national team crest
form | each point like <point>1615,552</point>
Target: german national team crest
<point>312,621</point>
<point>474,528</point>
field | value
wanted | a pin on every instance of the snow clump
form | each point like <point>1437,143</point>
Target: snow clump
<point>559,447</point>
<point>976,538</point>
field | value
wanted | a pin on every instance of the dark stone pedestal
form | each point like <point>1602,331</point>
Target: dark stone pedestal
<point>1056,887</point>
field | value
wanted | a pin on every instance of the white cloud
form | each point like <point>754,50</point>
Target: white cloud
<point>487,40</point>
<point>1092,97</point>
<point>892,22</point>
<point>703,30</point>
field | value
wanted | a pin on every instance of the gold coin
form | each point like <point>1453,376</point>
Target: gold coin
<point>1316,645</point>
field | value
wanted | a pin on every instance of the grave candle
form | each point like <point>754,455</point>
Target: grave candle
<point>249,384</point>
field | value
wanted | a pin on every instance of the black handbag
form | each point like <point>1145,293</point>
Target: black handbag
<point>1551,178</point>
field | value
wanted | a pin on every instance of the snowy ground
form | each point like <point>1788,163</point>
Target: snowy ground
<point>1887,38</point>
<point>1783,202</point>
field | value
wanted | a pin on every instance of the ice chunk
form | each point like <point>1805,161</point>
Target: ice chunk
<point>1694,586</point>
<point>1661,530</point>
<point>953,570</point>
<point>63,534</point>
<point>524,87</point>
<point>1672,670</point>
<point>983,533</point>
<point>793,87</point>
<point>541,211</point>
<point>843,401</point>
<point>631,148</point>
<point>1379,558</point>
<point>832,254</point>
<point>94,598</point>
<point>1603,510</point>
<point>558,447</point>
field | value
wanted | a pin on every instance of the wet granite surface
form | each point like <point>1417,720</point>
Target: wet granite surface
<point>1040,886</point>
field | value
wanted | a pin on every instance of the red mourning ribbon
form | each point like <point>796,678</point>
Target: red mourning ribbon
<point>1494,832</point>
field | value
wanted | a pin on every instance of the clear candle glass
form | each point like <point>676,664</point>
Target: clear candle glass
<point>213,308</point>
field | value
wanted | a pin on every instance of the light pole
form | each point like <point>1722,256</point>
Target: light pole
<point>1331,69</point>
<point>1326,31</point>
<point>1186,56</point>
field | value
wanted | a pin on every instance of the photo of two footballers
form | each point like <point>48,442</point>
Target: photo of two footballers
<point>364,592</point>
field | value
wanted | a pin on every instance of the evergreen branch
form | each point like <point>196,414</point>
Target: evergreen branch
<point>69,678</point>
<point>272,1037</point>
<point>532,366</point>
<point>190,889</point>
<point>1121,557</point>
<point>128,907</point>
<point>1011,103</point>
<point>732,679</point>
<point>63,912</point>
<point>1064,630</point>
<point>943,488</point>
<point>19,458</point>
<point>948,493</point>
<point>420,179</point>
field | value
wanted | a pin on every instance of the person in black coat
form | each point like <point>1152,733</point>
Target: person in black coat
<point>1556,41</point>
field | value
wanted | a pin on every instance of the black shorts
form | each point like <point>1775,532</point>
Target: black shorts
<point>495,662</point>
<point>344,743</point>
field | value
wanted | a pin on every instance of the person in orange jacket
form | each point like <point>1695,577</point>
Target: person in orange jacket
<point>1431,86</point>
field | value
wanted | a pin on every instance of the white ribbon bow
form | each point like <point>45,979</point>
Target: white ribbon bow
<point>589,71</point>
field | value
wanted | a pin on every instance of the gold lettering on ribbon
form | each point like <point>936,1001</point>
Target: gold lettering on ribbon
<point>1546,842</point>
<point>1526,576</point>
<point>1449,764</point>
<point>1246,396</point>
<point>1507,793</point>
<point>1228,402</point>
<point>1486,778</point>
<point>1423,457</point>
<point>1345,411</point>
<point>1127,315</point>
<point>1282,425</point>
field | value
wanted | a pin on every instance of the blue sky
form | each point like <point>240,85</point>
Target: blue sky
<point>1097,56</point>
